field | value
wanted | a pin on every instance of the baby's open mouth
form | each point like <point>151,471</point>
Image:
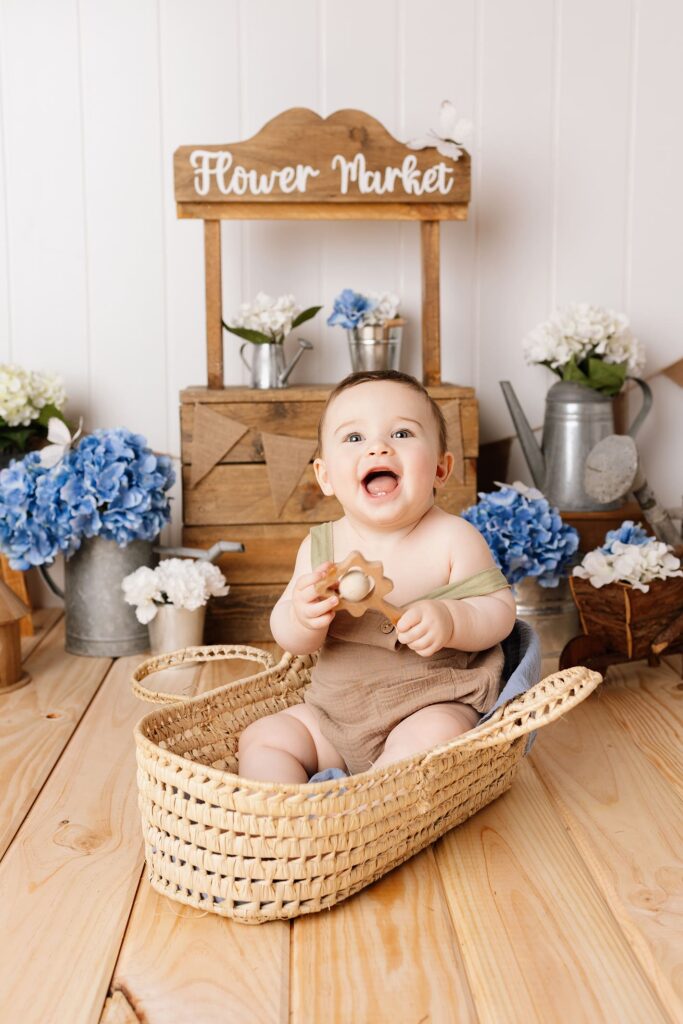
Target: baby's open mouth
<point>380,481</point>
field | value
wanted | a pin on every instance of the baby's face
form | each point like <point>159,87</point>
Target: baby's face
<point>380,453</point>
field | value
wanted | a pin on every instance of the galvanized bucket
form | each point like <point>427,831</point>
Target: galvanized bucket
<point>550,610</point>
<point>99,623</point>
<point>375,347</point>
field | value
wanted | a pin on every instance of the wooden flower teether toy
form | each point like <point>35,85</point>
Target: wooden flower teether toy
<point>360,585</point>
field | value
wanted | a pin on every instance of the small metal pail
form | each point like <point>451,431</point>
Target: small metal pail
<point>375,347</point>
<point>99,623</point>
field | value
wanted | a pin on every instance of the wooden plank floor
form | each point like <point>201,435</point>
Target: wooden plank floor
<point>561,901</point>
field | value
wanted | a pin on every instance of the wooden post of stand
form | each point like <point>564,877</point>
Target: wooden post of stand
<point>431,303</point>
<point>214,311</point>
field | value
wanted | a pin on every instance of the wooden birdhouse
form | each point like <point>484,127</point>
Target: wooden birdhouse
<point>12,611</point>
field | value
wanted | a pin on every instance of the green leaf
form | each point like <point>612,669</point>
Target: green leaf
<point>15,438</point>
<point>608,378</point>
<point>47,412</point>
<point>306,315</point>
<point>570,371</point>
<point>256,337</point>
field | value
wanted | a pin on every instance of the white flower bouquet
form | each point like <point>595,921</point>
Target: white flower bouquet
<point>268,321</point>
<point>586,344</point>
<point>28,399</point>
<point>181,582</point>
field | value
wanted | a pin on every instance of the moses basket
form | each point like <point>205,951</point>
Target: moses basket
<point>256,851</point>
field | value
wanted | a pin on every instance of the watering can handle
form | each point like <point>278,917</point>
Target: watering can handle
<point>645,407</point>
<point>242,355</point>
<point>54,587</point>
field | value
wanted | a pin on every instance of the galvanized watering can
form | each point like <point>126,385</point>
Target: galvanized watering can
<point>267,367</point>
<point>576,418</point>
<point>99,623</point>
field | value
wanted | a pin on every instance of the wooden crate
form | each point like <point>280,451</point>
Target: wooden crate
<point>234,502</point>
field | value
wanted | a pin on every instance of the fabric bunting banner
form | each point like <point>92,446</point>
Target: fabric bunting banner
<point>214,435</point>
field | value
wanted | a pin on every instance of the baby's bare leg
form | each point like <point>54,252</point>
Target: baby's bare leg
<point>285,747</point>
<point>427,728</point>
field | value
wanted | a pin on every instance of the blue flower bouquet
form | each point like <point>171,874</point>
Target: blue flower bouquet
<point>111,486</point>
<point>525,533</point>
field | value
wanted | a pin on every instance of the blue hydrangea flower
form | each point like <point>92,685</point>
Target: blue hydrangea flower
<point>112,485</point>
<point>525,533</point>
<point>349,309</point>
<point>628,533</point>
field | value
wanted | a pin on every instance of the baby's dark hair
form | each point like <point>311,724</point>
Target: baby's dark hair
<point>397,377</point>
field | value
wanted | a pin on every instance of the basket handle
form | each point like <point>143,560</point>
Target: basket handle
<point>190,656</point>
<point>539,706</point>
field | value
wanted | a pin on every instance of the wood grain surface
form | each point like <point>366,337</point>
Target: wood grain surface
<point>559,901</point>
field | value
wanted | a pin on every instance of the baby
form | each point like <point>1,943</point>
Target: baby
<point>381,693</point>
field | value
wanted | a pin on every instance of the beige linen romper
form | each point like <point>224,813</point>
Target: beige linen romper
<point>365,682</point>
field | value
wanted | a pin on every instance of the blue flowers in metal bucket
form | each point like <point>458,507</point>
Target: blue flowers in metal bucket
<point>525,533</point>
<point>112,486</point>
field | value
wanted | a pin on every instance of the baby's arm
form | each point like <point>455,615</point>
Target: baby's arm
<point>300,619</point>
<point>466,624</point>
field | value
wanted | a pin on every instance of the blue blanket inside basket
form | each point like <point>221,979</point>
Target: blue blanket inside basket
<point>521,671</point>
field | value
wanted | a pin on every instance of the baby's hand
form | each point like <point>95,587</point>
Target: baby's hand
<point>311,610</point>
<point>425,627</point>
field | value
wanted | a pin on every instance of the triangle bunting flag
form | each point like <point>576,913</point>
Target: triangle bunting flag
<point>212,436</point>
<point>286,461</point>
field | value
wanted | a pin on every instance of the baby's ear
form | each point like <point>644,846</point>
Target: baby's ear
<point>320,470</point>
<point>444,468</point>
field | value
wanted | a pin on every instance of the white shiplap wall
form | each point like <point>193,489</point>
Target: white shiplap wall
<point>576,191</point>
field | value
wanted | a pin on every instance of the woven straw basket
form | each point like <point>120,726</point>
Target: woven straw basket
<point>258,851</point>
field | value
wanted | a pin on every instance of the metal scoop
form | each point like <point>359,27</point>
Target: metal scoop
<point>613,469</point>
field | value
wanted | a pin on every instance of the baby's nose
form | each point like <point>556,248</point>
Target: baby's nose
<point>380,448</point>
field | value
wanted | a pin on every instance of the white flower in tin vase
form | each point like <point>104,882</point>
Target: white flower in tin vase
<point>171,599</point>
<point>263,325</point>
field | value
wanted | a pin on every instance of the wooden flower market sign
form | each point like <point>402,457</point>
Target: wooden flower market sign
<point>301,157</point>
<point>301,166</point>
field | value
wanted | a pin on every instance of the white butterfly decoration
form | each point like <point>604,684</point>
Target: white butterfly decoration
<point>451,135</point>
<point>60,441</point>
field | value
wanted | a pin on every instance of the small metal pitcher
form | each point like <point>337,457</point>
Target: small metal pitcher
<point>267,367</point>
<point>375,346</point>
<point>99,623</point>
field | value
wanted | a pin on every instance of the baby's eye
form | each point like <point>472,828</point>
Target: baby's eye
<point>403,432</point>
<point>353,437</point>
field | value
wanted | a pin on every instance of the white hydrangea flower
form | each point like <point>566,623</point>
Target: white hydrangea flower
<point>182,582</point>
<point>634,564</point>
<point>23,394</point>
<point>272,317</point>
<point>581,330</point>
<point>385,308</point>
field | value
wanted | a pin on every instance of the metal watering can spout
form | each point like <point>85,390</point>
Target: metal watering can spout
<point>206,556</point>
<point>303,346</point>
<point>530,446</point>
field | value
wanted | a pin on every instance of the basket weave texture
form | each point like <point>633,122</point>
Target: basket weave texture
<point>256,851</point>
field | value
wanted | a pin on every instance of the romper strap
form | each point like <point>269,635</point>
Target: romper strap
<point>322,544</point>
<point>485,582</point>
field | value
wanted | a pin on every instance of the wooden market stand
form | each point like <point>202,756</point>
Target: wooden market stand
<point>348,167</point>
